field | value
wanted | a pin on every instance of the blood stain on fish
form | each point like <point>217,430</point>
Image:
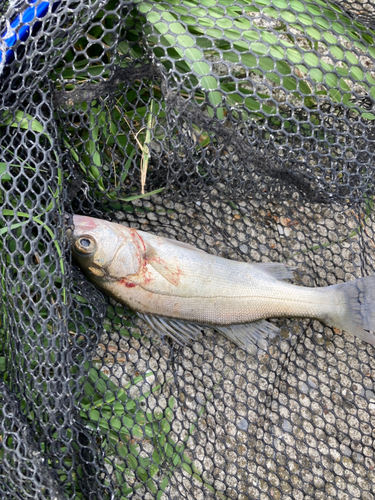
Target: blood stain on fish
<point>127,283</point>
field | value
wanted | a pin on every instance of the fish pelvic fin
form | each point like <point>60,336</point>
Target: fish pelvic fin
<point>181,332</point>
<point>249,336</point>
<point>357,312</point>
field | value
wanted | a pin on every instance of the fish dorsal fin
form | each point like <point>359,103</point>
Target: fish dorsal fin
<point>251,335</point>
<point>169,270</point>
<point>181,244</point>
<point>277,270</point>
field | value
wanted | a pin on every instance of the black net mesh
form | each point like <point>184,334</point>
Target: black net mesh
<point>246,128</point>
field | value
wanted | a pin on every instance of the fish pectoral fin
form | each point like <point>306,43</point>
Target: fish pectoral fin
<point>181,332</point>
<point>251,335</point>
<point>169,270</point>
<point>277,270</point>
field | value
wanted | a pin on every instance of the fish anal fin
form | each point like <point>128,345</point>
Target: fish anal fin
<point>277,270</point>
<point>169,270</point>
<point>250,336</point>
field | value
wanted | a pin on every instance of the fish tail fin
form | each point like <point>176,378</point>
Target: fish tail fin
<point>356,313</point>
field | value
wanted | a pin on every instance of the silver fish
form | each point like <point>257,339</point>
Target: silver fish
<point>177,288</point>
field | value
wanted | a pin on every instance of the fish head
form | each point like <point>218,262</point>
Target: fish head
<point>105,250</point>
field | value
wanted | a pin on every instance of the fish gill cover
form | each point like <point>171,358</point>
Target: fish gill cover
<point>245,128</point>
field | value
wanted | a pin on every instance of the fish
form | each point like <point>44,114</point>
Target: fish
<point>178,289</point>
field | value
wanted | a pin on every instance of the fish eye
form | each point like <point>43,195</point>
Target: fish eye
<point>85,244</point>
